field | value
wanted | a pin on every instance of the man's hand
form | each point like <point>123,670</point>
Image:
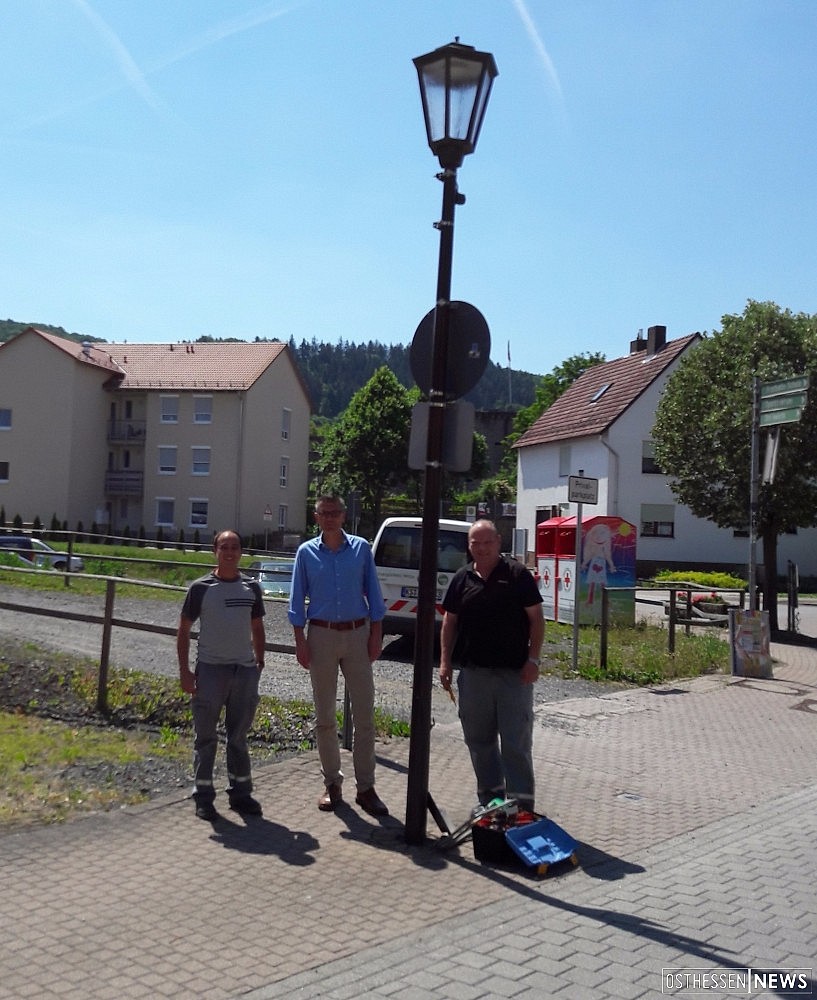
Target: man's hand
<point>446,676</point>
<point>301,649</point>
<point>187,680</point>
<point>529,673</point>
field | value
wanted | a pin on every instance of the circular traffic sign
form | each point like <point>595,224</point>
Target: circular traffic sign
<point>469,348</point>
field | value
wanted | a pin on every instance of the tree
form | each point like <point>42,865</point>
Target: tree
<point>366,449</point>
<point>548,390</point>
<point>703,429</point>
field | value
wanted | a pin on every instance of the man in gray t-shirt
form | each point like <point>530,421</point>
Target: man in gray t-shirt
<point>230,610</point>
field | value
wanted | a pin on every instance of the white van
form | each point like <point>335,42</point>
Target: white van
<point>396,551</point>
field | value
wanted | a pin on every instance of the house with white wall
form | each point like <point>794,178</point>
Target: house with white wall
<point>601,428</point>
<point>159,438</point>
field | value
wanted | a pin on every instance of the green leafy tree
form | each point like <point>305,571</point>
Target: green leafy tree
<point>548,390</point>
<point>366,449</point>
<point>703,429</point>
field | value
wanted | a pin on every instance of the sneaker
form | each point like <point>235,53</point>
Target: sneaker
<point>206,810</point>
<point>247,806</point>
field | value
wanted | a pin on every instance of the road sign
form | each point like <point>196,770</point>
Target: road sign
<point>267,513</point>
<point>581,489</point>
<point>782,402</point>
<point>782,386</point>
<point>787,415</point>
<point>469,349</point>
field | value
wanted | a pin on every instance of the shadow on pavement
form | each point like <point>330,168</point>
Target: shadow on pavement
<point>262,836</point>
<point>794,639</point>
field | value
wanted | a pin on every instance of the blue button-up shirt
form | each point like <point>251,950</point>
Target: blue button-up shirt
<point>341,584</point>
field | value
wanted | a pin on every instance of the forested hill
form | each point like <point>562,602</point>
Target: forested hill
<point>335,372</point>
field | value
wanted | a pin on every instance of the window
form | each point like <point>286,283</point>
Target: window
<point>283,511</point>
<point>600,392</point>
<point>284,472</point>
<point>198,513</point>
<point>202,409</point>
<point>170,409</point>
<point>165,512</point>
<point>657,520</point>
<point>4,472</point>
<point>564,460</point>
<point>648,464</point>
<point>286,424</point>
<point>201,461</point>
<point>167,459</point>
<point>5,419</point>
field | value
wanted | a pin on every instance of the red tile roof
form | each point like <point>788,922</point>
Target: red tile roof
<point>88,353</point>
<point>221,366</point>
<point>602,394</point>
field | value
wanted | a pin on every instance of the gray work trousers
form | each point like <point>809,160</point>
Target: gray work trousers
<point>234,688</point>
<point>496,712</point>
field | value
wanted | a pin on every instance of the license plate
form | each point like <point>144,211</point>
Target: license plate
<point>414,592</point>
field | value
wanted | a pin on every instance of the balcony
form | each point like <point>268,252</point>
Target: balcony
<point>126,431</point>
<point>124,483</point>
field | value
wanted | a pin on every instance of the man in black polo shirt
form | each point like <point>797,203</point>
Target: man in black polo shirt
<point>493,630</point>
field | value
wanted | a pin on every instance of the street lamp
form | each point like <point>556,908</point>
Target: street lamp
<point>455,83</point>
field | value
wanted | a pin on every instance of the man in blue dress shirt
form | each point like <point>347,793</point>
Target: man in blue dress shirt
<point>340,627</point>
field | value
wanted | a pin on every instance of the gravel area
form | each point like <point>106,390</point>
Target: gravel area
<point>283,677</point>
<point>135,649</point>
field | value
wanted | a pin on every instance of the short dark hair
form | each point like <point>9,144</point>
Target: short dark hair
<point>329,498</point>
<point>227,531</point>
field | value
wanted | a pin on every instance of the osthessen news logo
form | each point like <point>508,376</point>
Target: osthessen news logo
<point>748,982</point>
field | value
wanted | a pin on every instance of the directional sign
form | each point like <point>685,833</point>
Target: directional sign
<point>782,402</point>
<point>789,415</point>
<point>581,489</point>
<point>782,386</point>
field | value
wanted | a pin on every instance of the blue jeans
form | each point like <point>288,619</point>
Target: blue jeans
<point>234,688</point>
<point>496,712</point>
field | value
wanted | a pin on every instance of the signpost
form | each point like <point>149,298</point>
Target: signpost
<point>580,490</point>
<point>267,519</point>
<point>773,404</point>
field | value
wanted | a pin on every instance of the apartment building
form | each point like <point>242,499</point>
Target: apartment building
<point>160,438</point>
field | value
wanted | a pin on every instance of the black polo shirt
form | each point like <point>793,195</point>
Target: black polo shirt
<point>493,626</point>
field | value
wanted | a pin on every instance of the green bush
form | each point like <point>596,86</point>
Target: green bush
<point>714,581</point>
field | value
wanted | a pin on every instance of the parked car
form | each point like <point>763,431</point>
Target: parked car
<point>275,576</point>
<point>37,553</point>
<point>396,551</point>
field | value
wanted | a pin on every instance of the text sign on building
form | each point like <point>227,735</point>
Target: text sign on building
<point>581,489</point>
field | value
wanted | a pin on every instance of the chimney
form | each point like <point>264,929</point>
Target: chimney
<point>638,344</point>
<point>86,348</point>
<point>656,339</point>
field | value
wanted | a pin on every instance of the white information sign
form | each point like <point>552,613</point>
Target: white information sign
<point>581,489</point>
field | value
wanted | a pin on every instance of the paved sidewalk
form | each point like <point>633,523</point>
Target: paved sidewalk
<point>695,805</point>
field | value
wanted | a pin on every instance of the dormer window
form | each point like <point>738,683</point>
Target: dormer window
<point>600,392</point>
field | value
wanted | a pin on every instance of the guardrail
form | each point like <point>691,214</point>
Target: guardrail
<point>674,618</point>
<point>108,621</point>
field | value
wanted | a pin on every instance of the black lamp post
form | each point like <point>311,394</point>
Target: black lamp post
<point>455,83</point>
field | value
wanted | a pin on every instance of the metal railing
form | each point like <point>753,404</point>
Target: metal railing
<point>108,621</point>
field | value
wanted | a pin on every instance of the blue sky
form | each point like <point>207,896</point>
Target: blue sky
<point>176,168</point>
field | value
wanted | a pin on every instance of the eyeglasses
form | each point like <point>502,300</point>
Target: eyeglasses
<point>329,513</point>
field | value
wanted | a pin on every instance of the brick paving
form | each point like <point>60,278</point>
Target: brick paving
<point>696,810</point>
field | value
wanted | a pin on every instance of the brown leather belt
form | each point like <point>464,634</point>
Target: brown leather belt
<point>339,626</point>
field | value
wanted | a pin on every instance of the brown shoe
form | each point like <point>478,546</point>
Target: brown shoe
<point>331,798</point>
<point>369,801</point>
